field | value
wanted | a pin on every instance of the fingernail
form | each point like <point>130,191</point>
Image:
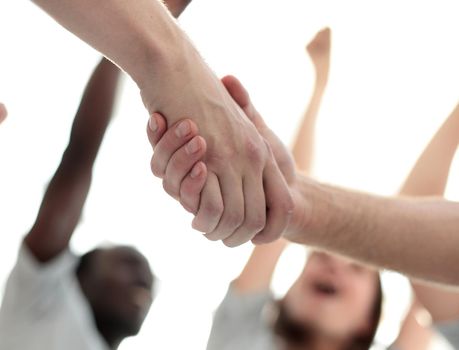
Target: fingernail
<point>193,146</point>
<point>153,125</point>
<point>196,172</point>
<point>183,129</point>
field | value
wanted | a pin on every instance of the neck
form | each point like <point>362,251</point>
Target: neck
<point>327,343</point>
<point>110,334</point>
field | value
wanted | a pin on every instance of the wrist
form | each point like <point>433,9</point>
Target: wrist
<point>310,219</point>
<point>167,77</point>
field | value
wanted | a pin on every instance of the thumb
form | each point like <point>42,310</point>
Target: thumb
<point>240,95</point>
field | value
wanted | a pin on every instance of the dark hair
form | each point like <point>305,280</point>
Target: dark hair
<point>86,261</point>
<point>299,334</point>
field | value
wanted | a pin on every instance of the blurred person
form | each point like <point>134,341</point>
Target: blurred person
<point>53,298</point>
<point>248,197</point>
<point>333,304</point>
<point>240,322</point>
<point>3,112</point>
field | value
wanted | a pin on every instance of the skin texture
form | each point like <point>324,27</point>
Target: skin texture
<point>246,196</point>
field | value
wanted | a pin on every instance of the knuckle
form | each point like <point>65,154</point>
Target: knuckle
<point>234,219</point>
<point>256,224</point>
<point>212,209</point>
<point>254,152</point>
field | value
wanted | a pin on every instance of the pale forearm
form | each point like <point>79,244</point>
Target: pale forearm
<point>303,148</point>
<point>429,176</point>
<point>419,238</point>
<point>140,37</point>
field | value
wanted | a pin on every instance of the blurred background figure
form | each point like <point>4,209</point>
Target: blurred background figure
<point>3,112</point>
<point>54,299</point>
<point>334,303</point>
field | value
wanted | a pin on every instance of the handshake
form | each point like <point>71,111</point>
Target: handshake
<point>239,190</point>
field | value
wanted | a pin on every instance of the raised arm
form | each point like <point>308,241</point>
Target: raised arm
<point>258,271</point>
<point>416,236</point>
<point>429,175</point>
<point>66,194</point>
<point>303,147</point>
<point>144,40</point>
<point>429,178</point>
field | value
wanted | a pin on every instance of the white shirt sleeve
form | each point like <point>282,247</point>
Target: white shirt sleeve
<point>238,322</point>
<point>32,287</point>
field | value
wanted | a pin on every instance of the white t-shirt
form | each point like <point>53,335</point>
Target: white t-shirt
<point>44,307</point>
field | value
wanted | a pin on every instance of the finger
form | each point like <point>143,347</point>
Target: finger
<point>255,212</point>
<point>237,91</point>
<point>181,163</point>
<point>233,203</point>
<point>279,205</point>
<point>176,137</point>
<point>192,186</point>
<point>156,128</point>
<point>240,95</point>
<point>210,207</point>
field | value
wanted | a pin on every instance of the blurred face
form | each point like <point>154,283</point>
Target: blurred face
<point>121,294</point>
<point>3,112</point>
<point>334,295</point>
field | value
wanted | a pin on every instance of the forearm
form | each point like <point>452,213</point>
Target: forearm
<point>60,210</point>
<point>258,271</point>
<point>141,37</point>
<point>94,113</point>
<point>303,148</point>
<point>429,176</point>
<point>416,237</point>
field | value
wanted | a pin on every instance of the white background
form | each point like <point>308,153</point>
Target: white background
<point>394,79</point>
